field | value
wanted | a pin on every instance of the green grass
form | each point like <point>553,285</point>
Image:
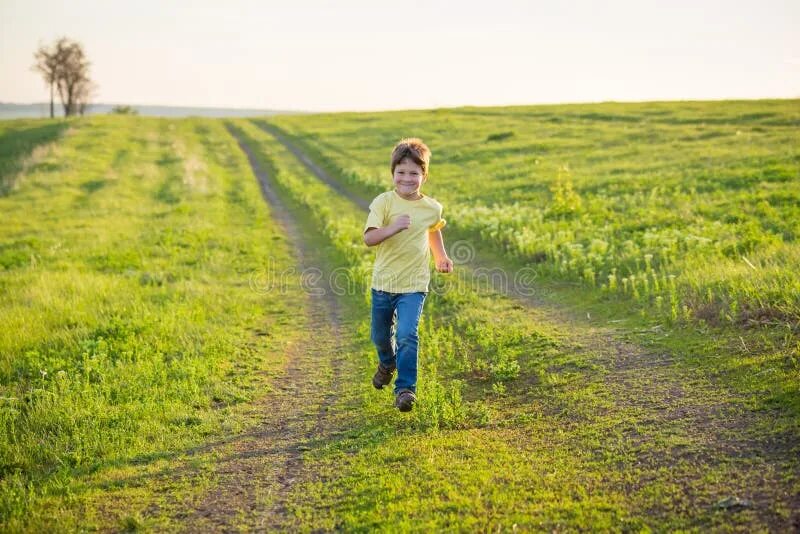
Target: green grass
<point>515,424</point>
<point>130,329</point>
<point>676,215</point>
<point>686,210</point>
<point>22,144</point>
<point>129,324</point>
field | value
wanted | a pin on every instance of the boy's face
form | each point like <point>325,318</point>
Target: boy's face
<point>408,178</point>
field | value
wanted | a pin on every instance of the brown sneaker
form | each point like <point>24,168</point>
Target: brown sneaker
<point>382,377</point>
<point>405,400</point>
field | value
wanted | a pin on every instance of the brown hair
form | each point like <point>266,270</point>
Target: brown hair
<point>414,149</point>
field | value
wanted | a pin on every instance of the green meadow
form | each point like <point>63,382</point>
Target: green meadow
<point>664,214</point>
<point>686,210</point>
<point>650,383</point>
<point>129,328</point>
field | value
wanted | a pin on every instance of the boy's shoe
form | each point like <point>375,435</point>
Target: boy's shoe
<point>382,377</point>
<point>404,400</point>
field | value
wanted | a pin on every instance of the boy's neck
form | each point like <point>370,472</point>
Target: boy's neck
<point>418,195</point>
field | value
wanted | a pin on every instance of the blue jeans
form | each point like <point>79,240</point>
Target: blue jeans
<point>400,352</point>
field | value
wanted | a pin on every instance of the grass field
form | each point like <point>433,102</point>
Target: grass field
<point>129,327</point>
<point>651,383</point>
<point>689,210</point>
<point>678,213</point>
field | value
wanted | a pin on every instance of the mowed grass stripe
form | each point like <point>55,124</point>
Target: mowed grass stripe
<point>25,143</point>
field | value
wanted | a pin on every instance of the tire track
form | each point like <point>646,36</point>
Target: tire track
<point>257,470</point>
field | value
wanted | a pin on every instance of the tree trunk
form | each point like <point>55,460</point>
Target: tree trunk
<point>52,114</point>
<point>61,97</point>
<point>70,99</point>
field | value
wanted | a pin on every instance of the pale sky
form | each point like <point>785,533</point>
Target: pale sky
<point>373,54</point>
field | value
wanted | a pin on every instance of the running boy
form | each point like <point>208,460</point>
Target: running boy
<point>405,225</point>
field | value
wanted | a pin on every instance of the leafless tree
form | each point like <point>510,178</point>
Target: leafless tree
<point>83,95</point>
<point>47,64</point>
<point>65,69</point>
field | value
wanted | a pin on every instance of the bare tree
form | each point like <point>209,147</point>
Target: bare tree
<point>83,95</point>
<point>47,64</point>
<point>65,68</point>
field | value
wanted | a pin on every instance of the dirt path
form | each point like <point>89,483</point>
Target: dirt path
<point>318,171</point>
<point>255,471</point>
<point>710,427</point>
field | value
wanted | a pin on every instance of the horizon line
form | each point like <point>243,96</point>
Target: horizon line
<point>456,106</point>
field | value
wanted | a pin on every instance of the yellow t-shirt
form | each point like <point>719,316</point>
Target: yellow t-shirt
<point>402,262</point>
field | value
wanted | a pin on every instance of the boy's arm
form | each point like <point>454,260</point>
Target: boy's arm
<point>375,236</point>
<point>436,241</point>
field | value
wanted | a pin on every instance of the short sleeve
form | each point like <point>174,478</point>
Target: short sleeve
<point>439,224</point>
<point>377,213</point>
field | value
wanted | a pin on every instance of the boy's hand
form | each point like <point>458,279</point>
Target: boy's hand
<point>402,222</point>
<point>444,265</point>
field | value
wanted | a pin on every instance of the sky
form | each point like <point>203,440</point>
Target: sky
<point>374,54</point>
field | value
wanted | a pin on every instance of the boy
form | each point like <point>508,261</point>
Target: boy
<point>405,225</point>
